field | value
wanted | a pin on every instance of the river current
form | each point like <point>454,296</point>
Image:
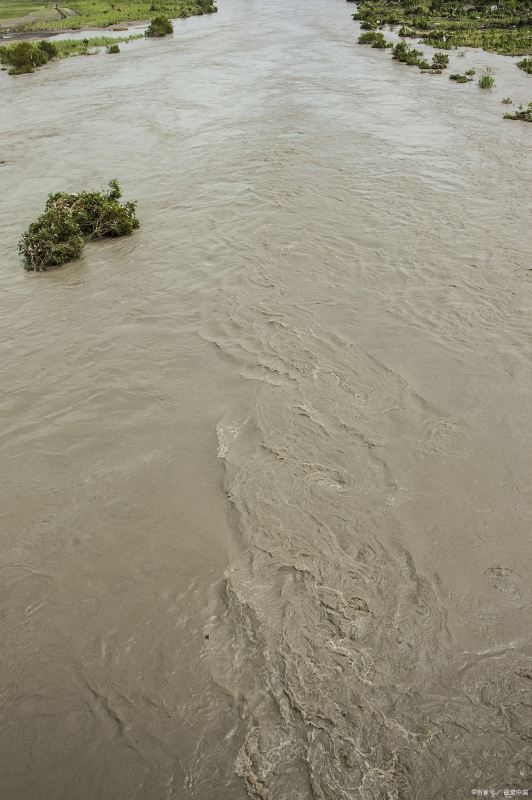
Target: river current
<point>266,504</point>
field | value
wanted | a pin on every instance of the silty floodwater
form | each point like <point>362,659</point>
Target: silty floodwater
<point>265,505</point>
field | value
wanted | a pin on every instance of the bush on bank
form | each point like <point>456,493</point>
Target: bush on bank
<point>70,220</point>
<point>160,26</point>
<point>24,57</point>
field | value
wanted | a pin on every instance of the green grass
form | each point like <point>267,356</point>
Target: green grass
<point>84,47</point>
<point>23,57</point>
<point>486,80</point>
<point>100,13</point>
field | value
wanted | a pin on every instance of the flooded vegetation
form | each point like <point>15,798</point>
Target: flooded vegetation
<point>265,521</point>
<point>504,27</point>
<point>22,58</point>
<point>70,220</point>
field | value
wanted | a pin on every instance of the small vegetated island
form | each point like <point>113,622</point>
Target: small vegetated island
<point>503,27</point>
<point>70,220</point>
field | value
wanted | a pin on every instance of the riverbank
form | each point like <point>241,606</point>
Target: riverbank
<point>43,21</point>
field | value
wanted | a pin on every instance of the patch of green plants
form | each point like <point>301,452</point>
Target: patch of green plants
<point>375,39</point>
<point>409,55</point>
<point>469,73</point>
<point>486,80</point>
<point>25,57</point>
<point>525,65</point>
<point>440,61</point>
<point>503,28</point>
<point>522,114</point>
<point>458,78</point>
<point>160,26</point>
<point>112,48</point>
<point>507,101</point>
<point>71,220</point>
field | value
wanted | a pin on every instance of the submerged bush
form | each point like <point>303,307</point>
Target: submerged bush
<point>486,80</point>
<point>440,61</point>
<point>375,39</point>
<point>507,101</point>
<point>523,114</point>
<point>160,26</point>
<point>69,220</point>
<point>458,78</point>
<point>23,57</point>
<point>50,241</point>
<point>112,48</point>
<point>525,65</point>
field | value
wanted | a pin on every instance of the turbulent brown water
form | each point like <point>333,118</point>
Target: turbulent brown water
<point>265,507</point>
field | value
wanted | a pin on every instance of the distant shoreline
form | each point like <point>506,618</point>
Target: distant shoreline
<point>9,36</point>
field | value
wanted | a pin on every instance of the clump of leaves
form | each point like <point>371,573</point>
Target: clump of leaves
<point>160,26</point>
<point>113,48</point>
<point>522,114</point>
<point>525,65</point>
<point>24,57</point>
<point>404,31</point>
<point>486,80</point>
<point>69,220</point>
<point>469,73</point>
<point>507,101</point>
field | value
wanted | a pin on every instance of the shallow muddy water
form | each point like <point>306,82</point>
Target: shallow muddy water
<point>265,507</point>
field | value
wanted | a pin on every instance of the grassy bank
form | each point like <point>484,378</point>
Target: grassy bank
<point>504,28</point>
<point>23,57</point>
<point>37,16</point>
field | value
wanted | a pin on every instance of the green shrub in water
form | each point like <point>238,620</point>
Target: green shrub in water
<point>160,26</point>
<point>440,61</point>
<point>113,48</point>
<point>69,220</point>
<point>50,241</point>
<point>507,101</point>
<point>457,78</point>
<point>24,57</point>
<point>486,80</point>
<point>375,39</point>
<point>523,114</point>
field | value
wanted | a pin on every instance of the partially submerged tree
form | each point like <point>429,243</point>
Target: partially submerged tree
<point>160,26</point>
<point>69,220</point>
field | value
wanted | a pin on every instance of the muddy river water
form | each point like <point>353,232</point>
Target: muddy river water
<point>265,504</point>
